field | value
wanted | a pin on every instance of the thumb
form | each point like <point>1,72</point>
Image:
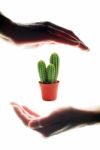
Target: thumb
<point>35,124</point>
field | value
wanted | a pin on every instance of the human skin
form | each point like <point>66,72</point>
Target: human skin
<point>62,119</point>
<point>37,33</point>
<point>57,121</point>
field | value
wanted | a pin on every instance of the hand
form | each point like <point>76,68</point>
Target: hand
<point>58,121</point>
<point>37,33</point>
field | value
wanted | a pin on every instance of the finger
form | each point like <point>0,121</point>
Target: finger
<point>14,103</point>
<point>23,110</point>
<point>20,107</point>
<point>69,41</point>
<point>26,111</point>
<point>35,124</point>
<point>21,115</point>
<point>83,46</point>
<point>65,36</point>
<point>30,111</point>
<point>69,34</point>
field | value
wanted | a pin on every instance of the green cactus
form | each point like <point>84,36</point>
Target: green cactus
<point>42,71</point>
<point>54,59</point>
<point>51,73</point>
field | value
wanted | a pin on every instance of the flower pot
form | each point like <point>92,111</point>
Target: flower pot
<point>49,91</point>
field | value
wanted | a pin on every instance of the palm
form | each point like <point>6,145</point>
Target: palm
<point>58,121</point>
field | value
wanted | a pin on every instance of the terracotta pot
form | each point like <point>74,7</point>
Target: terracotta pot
<point>49,91</point>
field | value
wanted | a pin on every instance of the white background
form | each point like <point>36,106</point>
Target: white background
<point>79,73</point>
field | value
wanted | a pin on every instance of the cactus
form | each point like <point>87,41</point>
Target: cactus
<point>42,71</point>
<point>54,59</point>
<point>51,73</point>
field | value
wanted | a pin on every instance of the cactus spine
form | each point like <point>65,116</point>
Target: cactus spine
<point>51,73</point>
<point>54,59</point>
<point>42,71</point>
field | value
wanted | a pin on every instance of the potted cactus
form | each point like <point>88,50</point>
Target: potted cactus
<point>48,77</point>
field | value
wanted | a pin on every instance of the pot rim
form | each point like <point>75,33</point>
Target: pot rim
<point>57,82</point>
